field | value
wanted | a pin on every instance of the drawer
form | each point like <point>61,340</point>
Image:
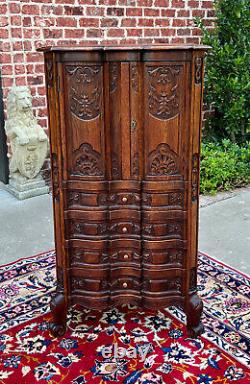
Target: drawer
<point>124,285</point>
<point>82,252</point>
<point>124,229</point>
<point>170,230</point>
<point>124,200</point>
<point>124,272</point>
<point>80,229</point>
<point>79,200</point>
<point>170,200</point>
<point>166,252</point>
<point>173,285</point>
<point>125,256</point>
<point>154,216</point>
<point>92,272</point>
<point>84,284</point>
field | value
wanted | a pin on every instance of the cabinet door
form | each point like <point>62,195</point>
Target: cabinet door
<point>166,170</point>
<point>84,177</point>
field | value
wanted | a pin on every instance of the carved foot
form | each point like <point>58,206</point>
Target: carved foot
<point>59,311</point>
<point>194,312</point>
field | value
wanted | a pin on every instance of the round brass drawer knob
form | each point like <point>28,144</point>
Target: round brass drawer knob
<point>124,229</point>
<point>124,199</point>
<point>126,256</point>
<point>125,285</point>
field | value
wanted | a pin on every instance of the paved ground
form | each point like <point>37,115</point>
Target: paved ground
<point>26,227</point>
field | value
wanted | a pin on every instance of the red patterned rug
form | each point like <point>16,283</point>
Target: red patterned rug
<point>156,345</point>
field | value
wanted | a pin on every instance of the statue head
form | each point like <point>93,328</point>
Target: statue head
<point>19,100</point>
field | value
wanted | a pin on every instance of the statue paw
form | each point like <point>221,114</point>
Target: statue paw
<point>42,136</point>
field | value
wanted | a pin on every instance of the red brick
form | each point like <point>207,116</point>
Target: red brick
<point>168,12</point>
<point>207,4</point>
<point>133,11</point>
<point>5,58</point>
<point>144,3</point>
<point>38,102</point>
<point>167,32</point>
<point>107,2</point>
<point>198,13</point>
<point>105,22</point>
<point>178,3</point>
<point>193,4</point>
<point>14,8</point>
<point>161,3</point>
<point>183,13</point>
<point>3,9</point>
<point>18,58</point>
<point>162,22</point>
<point>151,12</point>
<point>95,11</point>
<point>20,81</point>
<point>42,112</point>
<point>4,21</point>
<point>151,32</point>
<point>75,34</point>
<point>27,22</point>
<point>146,22</point>
<point>42,122</point>
<point>41,91</point>
<point>134,32</point>
<point>27,45</point>
<point>30,68</point>
<point>112,11</point>
<point>73,10</point>
<point>16,20</point>
<point>179,23</point>
<point>90,22</point>
<point>115,32</point>
<point>88,2</point>
<point>192,40</point>
<point>17,46</point>
<point>183,32</point>
<point>31,33</point>
<point>94,32</point>
<point>66,22</point>
<point>35,80</point>
<point>52,33</point>
<point>16,33</point>
<point>7,81</point>
<point>178,40</point>
<point>128,22</point>
<point>7,70</point>
<point>34,57</point>
<point>30,9</point>
<point>19,69</point>
<point>129,3</point>
<point>211,13</point>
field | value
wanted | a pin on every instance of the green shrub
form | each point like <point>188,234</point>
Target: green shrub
<point>227,75</point>
<point>224,166</point>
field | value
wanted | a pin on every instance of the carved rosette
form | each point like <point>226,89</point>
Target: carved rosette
<point>85,90</point>
<point>74,198</point>
<point>176,198</point>
<point>163,92</point>
<point>198,70</point>
<point>163,161</point>
<point>87,161</point>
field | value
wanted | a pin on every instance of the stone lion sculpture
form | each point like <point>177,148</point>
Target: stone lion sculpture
<point>28,141</point>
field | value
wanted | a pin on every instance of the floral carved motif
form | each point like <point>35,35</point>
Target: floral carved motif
<point>87,161</point>
<point>115,165</point>
<point>176,198</point>
<point>114,74</point>
<point>198,70</point>
<point>85,91</point>
<point>55,176</point>
<point>134,77</point>
<point>163,94</point>
<point>163,161</point>
<point>195,176</point>
<point>49,72</point>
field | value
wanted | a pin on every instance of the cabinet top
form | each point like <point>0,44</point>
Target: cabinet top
<point>138,47</point>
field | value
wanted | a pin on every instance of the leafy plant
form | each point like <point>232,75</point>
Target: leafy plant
<point>227,76</point>
<point>224,166</point>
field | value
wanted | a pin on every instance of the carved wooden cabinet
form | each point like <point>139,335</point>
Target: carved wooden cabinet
<point>125,136</point>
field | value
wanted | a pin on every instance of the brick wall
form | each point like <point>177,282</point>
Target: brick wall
<point>28,24</point>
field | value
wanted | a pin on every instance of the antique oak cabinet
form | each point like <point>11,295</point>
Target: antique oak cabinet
<point>125,136</point>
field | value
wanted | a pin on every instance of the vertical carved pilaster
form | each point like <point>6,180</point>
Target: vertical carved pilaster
<point>198,70</point>
<point>55,176</point>
<point>195,176</point>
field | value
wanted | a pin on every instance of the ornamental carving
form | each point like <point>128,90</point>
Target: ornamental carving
<point>163,161</point>
<point>49,72</point>
<point>130,198</point>
<point>114,75</point>
<point>198,70</point>
<point>85,91</point>
<point>115,165</point>
<point>163,92</point>
<point>74,198</point>
<point>195,176</point>
<point>176,257</point>
<point>55,176</point>
<point>148,229</point>
<point>135,165</point>
<point>87,161</point>
<point>176,198</point>
<point>134,77</point>
<point>147,199</point>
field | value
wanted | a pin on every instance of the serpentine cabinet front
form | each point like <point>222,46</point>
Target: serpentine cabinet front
<point>125,134</point>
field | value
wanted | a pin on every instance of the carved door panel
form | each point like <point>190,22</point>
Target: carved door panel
<point>164,197</point>
<point>85,185</point>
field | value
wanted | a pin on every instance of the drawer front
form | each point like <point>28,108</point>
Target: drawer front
<point>168,253</point>
<point>80,229</point>
<point>83,284</point>
<point>84,252</point>
<point>170,200</point>
<point>164,286</point>
<point>173,229</point>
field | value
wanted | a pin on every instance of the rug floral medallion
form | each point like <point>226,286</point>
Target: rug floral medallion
<point>141,346</point>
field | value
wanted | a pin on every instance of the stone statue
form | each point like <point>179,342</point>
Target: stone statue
<point>28,141</point>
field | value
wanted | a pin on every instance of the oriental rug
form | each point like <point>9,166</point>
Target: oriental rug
<point>156,344</point>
